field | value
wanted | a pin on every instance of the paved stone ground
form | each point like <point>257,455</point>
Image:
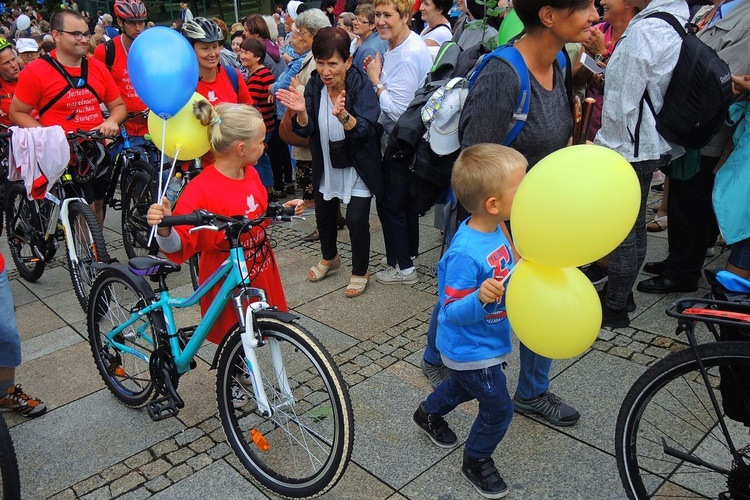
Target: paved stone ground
<point>88,446</point>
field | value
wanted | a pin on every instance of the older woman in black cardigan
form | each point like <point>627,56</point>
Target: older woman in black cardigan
<point>339,112</point>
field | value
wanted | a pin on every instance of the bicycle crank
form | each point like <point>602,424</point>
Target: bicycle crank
<point>167,402</point>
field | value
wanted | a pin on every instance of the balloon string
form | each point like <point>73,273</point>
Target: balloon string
<point>162,189</point>
<point>163,192</point>
<point>507,276</point>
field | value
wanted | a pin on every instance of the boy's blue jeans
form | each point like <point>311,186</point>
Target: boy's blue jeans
<point>533,377</point>
<point>489,387</point>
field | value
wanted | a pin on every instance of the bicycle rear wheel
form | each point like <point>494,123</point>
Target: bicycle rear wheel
<point>124,371</point>
<point>670,406</point>
<point>25,233</point>
<point>302,449</point>
<point>89,248</point>
<point>10,482</point>
<point>137,197</point>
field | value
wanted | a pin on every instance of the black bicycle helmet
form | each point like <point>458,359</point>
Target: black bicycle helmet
<point>89,160</point>
<point>201,29</point>
<point>130,10</point>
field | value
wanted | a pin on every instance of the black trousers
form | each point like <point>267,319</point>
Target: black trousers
<point>281,161</point>
<point>398,213</point>
<point>692,223</point>
<point>358,223</point>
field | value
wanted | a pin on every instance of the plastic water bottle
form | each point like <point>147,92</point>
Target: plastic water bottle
<point>173,188</point>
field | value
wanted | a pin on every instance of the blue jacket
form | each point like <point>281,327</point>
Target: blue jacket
<point>468,330</point>
<point>732,183</point>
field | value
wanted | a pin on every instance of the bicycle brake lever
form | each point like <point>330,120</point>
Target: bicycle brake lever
<point>207,227</point>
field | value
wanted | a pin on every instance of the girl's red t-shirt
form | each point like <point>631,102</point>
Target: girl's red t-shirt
<point>219,194</point>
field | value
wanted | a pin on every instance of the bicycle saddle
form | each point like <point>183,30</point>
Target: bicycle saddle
<point>150,266</point>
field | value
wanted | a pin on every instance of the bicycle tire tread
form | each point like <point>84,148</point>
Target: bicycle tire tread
<point>648,385</point>
<point>339,387</point>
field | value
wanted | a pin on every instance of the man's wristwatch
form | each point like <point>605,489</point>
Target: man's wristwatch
<point>346,118</point>
<point>377,87</point>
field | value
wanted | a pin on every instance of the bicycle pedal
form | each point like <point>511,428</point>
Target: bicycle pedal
<point>163,408</point>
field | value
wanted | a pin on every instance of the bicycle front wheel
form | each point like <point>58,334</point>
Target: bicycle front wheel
<point>668,439</point>
<point>89,248</point>
<point>124,366</point>
<point>303,448</point>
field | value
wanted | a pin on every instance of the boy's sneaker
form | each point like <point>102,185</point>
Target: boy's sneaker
<point>436,428</point>
<point>436,374</point>
<point>597,274</point>
<point>551,407</point>
<point>19,401</point>
<point>239,396</point>
<point>484,477</point>
<point>394,275</point>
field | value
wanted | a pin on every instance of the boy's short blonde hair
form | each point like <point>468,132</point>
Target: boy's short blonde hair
<point>403,7</point>
<point>482,171</point>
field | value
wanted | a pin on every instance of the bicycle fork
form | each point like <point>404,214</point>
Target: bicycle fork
<point>252,340</point>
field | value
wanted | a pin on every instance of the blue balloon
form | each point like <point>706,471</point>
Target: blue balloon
<point>163,69</point>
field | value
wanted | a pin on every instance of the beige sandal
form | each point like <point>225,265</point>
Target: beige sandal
<point>357,285</point>
<point>320,270</point>
<point>657,224</point>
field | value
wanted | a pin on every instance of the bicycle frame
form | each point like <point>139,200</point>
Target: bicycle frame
<point>235,274</point>
<point>688,318</point>
<point>60,212</point>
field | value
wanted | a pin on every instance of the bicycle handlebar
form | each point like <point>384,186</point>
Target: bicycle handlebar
<point>204,217</point>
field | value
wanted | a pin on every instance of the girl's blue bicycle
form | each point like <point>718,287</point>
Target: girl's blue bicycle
<point>283,403</point>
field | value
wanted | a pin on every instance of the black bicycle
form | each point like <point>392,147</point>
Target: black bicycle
<point>35,227</point>
<point>10,482</point>
<point>682,430</point>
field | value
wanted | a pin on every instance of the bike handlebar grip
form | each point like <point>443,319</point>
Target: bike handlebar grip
<point>287,210</point>
<point>195,218</point>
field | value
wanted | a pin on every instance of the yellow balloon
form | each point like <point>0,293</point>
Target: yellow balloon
<point>575,206</point>
<point>186,138</point>
<point>555,312</point>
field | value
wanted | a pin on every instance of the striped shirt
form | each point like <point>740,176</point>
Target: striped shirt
<point>259,85</point>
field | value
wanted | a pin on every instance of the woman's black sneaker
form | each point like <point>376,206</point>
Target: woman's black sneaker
<point>484,477</point>
<point>436,428</point>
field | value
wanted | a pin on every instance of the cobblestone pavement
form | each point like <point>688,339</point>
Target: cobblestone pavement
<point>88,446</point>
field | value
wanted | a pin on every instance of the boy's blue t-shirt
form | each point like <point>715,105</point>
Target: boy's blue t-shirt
<point>468,331</point>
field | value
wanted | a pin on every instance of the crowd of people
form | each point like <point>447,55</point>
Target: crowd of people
<point>304,102</point>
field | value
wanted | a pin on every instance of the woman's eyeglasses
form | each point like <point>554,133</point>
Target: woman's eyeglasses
<point>360,21</point>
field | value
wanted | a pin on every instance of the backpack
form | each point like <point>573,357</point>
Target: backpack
<point>698,96</point>
<point>232,74</point>
<point>80,82</point>
<point>109,53</point>
<point>454,71</point>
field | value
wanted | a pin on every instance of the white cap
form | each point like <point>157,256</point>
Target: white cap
<point>441,115</point>
<point>24,45</point>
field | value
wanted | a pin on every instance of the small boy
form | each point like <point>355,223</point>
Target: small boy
<point>473,333</point>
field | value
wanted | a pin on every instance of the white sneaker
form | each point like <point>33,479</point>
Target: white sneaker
<point>393,275</point>
<point>384,261</point>
<point>239,396</point>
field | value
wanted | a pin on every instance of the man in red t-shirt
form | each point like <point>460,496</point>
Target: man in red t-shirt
<point>42,85</point>
<point>131,17</point>
<point>8,79</point>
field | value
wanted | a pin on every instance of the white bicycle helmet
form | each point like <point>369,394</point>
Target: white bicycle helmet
<point>201,29</point>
